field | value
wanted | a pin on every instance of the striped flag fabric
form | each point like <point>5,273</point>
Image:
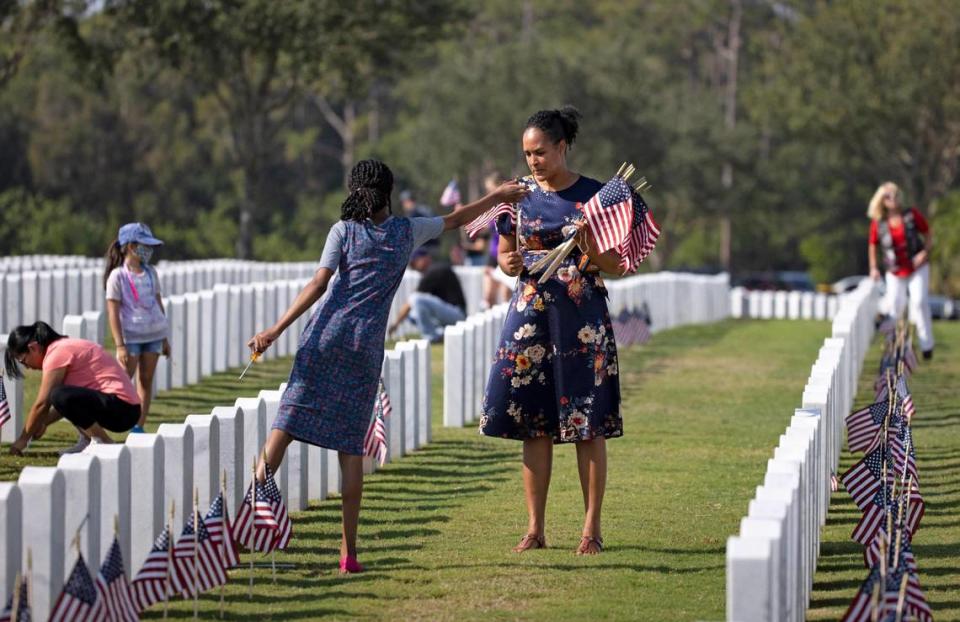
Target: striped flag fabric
<point>861,609</point>
<point>262,522</point>
<point>221,532</point>
<point>196,545</point>
<point>451,194</point>
<point>915,601</point>
<point>151,583</point>
<point>79,601</point>
<point>18,605</point>
<point>375,441</point>
<point>864,479</point>
<point>875,514</point>
<point>4,404</point>
<point>114,589</point>
<point>620,219</point>
<point>864,424</point>
<point>476,226</point>
<point>871,553</point>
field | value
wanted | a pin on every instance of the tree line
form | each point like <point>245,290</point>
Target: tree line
<point>230,125</point>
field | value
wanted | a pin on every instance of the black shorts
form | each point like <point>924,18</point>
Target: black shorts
<point>83,407</point>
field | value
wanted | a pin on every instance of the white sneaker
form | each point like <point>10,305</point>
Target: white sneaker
<point>82,442</point>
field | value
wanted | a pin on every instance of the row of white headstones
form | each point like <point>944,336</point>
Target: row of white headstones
<point>770,565</point>
<point>136,481</point>
<point>782,305</point>
<point>91,488</point>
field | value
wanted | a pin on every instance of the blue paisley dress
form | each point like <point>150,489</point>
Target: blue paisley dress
<point>555,371</point>
<point>336,371</point>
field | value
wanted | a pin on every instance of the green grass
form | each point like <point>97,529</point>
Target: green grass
<point>703,408</point>
<point>937,542</point>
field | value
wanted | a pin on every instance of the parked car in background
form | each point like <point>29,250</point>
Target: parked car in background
<point>847,283</point>
<point>790,280</point>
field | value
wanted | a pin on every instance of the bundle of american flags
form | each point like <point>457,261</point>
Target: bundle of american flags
<point>617,216</point>
<point>17,608</point>
<point>632,327</point>
<point>262,520</point>
<point>885,486</point>
<point>109,597</point>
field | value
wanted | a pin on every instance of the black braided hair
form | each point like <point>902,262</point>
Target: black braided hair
<point>371,183</point>
<point>560,124</point>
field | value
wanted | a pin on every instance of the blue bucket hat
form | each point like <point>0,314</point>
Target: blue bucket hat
<point>137,232</point>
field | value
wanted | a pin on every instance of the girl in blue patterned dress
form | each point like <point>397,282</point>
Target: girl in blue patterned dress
<point>330,395</point>
<point>555,376</point>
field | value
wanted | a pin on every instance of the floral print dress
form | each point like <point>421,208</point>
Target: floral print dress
<point>555,370</point>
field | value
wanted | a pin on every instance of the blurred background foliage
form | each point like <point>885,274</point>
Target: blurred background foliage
<point>230,125</point>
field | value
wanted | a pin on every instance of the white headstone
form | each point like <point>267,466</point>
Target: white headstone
<point>221,326</point>
<point>10,431</point>
<point>232,459</point>
<point>148,504</point>
<point>11,537</point>
<point>208,312</point>
<point>177,470</point>
<point>42,492</point>
<point>115,491</point>
<point>206,456</point>
<point>411,382</point>
<point>81,478</point>
<point>396,383</point>
<point>453,371</point>
<point>748,565</point>
<point>424,378</point>
<point>253,410</point>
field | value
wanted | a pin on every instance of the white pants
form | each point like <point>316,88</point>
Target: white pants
<point>916,287</point>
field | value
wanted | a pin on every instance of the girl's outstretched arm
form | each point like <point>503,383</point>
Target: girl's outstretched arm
<point>310,294</point>
<point>508,192</point>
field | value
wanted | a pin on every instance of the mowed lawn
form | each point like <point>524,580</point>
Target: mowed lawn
<point>936,545</point>
<point>703,409</point>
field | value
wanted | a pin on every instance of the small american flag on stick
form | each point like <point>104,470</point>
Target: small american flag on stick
<point>375,442</point>
<point>196,561</point>
<point>262,521</point>
<point>4,404</point>
<point>114,589</point>
<point>151,583</point>
<point>79,600</point>
<point>483,221</point>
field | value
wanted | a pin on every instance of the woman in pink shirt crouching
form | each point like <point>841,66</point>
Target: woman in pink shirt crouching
<point>81,382</point>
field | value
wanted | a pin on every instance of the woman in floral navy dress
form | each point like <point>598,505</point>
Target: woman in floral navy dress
<point>330,395</point>
<point>555,376</point>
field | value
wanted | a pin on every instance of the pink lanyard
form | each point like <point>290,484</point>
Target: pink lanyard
<point>133,287</point>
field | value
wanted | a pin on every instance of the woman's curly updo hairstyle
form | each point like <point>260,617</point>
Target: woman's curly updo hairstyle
<point>560,124</point>
<point>371,183</point>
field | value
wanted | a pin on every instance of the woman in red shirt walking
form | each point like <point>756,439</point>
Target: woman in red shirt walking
<point>904,238</point>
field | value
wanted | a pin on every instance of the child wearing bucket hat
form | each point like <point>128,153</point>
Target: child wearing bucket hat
<point>135,309</point>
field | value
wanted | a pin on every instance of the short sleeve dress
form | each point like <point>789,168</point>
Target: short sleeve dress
<point>330,395</point>
<point>555,371</point>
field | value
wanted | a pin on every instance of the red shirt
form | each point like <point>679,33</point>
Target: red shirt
<point>899,235</point>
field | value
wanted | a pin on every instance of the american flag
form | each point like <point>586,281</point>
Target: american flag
<point>871,553</point>
<point>863,425</point>
<point>375,442</point>
<point>263,524</point>
<point>903,395</point>
<point>22,604</point>
<point>480,223</point>
<point>196,545</point>
<point>915,602</point>
<point>864,479</point>
<point>876,512</point>
<point>902,451</point>
<point>79,600</point>
<point>151,583</point>
<point>114,589</point>
<point>861,608</point>
<point>4,404</point>
<point>620,219</point>
<point>451,194</point>
<point>218,525</point>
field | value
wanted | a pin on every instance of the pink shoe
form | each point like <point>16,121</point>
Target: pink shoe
<point>349,565</point>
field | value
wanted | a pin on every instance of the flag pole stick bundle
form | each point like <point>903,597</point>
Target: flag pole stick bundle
<point>196,551</point>
<point>902,596</point>
<point>168,589</point>
<point>550,262</point>
<point>226,534</point>
<point>875,603</point>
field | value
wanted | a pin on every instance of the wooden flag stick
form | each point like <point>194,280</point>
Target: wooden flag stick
<point>169,589</point>
<point>620,170</point>
<point>875,603</point>
<point>15,607</point>
<point>29,579</point>
<point>628,173</point>
<point>273,550</point>
<point>883,561</point>
<point>223,538</point>
<point>902,596</point>
<point>196,552</point>
<point>565,249</point>
<point>253,523</point>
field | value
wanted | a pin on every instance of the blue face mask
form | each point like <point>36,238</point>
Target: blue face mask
<point>144,253</point>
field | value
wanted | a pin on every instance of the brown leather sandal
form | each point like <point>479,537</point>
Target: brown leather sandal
<point>590,545</point>
<point>530,541</point>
